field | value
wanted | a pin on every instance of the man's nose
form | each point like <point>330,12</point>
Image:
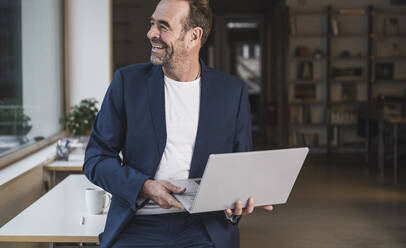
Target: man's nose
<point>153,32</point>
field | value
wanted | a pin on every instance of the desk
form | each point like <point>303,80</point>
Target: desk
<point>395,122</point>
<point>56,217</point>
<point>66,166</point>
<point>74,164</point>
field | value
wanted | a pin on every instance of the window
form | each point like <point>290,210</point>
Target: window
<point>31,71</point>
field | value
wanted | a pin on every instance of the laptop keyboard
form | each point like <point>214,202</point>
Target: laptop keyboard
<point>191,185</point>
<point>187,198</point>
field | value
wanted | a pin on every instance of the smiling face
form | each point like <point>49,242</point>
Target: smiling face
<point>167,34</point>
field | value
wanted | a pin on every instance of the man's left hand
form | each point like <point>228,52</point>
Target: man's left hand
<point>238,210</point>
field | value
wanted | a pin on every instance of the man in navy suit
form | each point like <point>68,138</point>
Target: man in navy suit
<point>166,117</point>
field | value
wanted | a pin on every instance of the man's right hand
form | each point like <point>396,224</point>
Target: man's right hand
<point>160,192</point>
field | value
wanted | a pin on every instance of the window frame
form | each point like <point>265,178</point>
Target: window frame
<point>10,159</point>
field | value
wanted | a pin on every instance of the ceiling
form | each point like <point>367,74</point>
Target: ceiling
<point>241,6</point>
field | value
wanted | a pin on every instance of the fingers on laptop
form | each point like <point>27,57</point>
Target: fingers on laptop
<point>167,201</point>
<point>173,188</point>
<point>175,203</point>
<point>162,194</point>
<point>229,212</point>
<point>269,207</point>
<point>238,210</point>
<point>250,206</point>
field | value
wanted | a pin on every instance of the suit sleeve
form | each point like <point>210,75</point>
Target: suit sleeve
<point>103,165</point>
<point>243,134</point>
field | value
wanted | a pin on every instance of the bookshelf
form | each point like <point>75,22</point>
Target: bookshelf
<point>307,74</point>
<point>340,61</point>
<point>348,31</point>
<point>340,84</point>
<point>389,56</point>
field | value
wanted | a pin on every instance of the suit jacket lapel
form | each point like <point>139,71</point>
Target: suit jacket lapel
<point>203,129</point>
<point>157,106</point>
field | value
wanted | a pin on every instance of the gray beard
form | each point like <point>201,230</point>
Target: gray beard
<point>162,60</point>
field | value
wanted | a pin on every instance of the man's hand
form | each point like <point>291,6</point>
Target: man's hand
<point>238,210</point>
<point>159,191</point>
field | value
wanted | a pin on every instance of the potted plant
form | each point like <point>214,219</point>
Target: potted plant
<point>80,118</point>
<point>14,123</point>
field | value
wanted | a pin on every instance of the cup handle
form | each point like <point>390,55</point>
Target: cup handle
<point>107,201</point>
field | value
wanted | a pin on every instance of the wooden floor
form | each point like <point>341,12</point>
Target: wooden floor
<point>335,203</point>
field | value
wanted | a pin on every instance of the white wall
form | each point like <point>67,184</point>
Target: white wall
<point>88,48</point>
<point>42,66</point>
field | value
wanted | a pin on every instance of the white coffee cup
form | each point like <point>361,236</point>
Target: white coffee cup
<point>97,200</point>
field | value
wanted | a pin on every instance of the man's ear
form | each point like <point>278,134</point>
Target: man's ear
<point>196,36</point>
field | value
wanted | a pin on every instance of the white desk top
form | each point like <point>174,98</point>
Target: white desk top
<point>75,162</point>
<point>65,166</point>
<point>56,216</point>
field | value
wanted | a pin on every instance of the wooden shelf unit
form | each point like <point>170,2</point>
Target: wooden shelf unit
<point>367,58</point>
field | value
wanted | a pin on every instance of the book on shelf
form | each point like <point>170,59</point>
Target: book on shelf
<point>305,70</point>
<point>348,91</point>
<point>343,116</point>
<point>311,139</point>
<point>302,52</point>
<point>305,114</point>
<point>296,114</point>
<point>390,26</point>
<point>305,92</point>
<point>384,71</point>
<point>301,138</point>
<point>335,92</point>
<point>347,73</point>
<point>300,114</point>
<point>292,25</point>
<point>317,115</point>
<point>334,137</point>
<point>335,27</point>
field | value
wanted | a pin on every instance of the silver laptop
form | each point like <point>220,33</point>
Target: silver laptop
<point>268,176</point>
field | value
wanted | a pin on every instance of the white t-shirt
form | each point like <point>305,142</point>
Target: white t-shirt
<point>182,103</point>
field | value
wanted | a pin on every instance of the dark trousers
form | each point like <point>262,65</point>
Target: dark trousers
<point>175,230</point>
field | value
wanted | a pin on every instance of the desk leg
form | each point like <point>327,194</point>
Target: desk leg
<point>381,155</point>
<point>53,178</point>
<point>51,245</point>
<point>395,151</point>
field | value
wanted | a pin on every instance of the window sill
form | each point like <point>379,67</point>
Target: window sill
<point>44,156</point>
<point>12,158</point>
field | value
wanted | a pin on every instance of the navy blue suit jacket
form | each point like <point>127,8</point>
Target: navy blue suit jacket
<point>132,120</point>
